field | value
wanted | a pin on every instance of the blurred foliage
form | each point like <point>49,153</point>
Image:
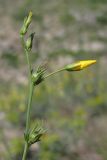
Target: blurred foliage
<point>11,59</point>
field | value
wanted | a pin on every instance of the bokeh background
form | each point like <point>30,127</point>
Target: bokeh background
<point>71,106</point>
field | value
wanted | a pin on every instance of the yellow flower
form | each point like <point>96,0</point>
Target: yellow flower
<point>79,65</point>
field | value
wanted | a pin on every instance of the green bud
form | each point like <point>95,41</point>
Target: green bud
<point>26,24</point>
<point>38,76</point>
<point>29,42</point>
<point>70,67</point>
<point>36,134</point>
<point>29,19</point>
<point>23,29</point>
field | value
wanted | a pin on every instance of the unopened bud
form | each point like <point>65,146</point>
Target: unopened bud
<point>29,19</point>
<point>36,134</point>
<point>79,65</point>
<point>29,42</point>
<point>26,24</point>
<point>38,76</point>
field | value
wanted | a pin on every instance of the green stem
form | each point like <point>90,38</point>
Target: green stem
<point>29,108</point>
<point>25,151</point>
<point>62,69</point>
<point>31,89</point>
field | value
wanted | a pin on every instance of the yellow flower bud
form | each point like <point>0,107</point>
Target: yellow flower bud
<point>79,65</point>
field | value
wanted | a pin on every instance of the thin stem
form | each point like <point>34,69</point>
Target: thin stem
<point>22,41</point>
<point>25,151</point>
<point>29,108</point>
<point>62,69</point>
<point>26,147</point>
<point>29,66</point>
<point>31,89</point>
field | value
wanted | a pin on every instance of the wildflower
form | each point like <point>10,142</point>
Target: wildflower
<point>79,65</point>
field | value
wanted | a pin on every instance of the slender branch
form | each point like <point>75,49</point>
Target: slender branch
<point>29,66</point>
<point>29,108</point>
<point>31,89</point>
<point>25,151</point>
<point>62,69</point>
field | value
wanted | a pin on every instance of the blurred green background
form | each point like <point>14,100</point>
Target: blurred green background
<point>72,107</point>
